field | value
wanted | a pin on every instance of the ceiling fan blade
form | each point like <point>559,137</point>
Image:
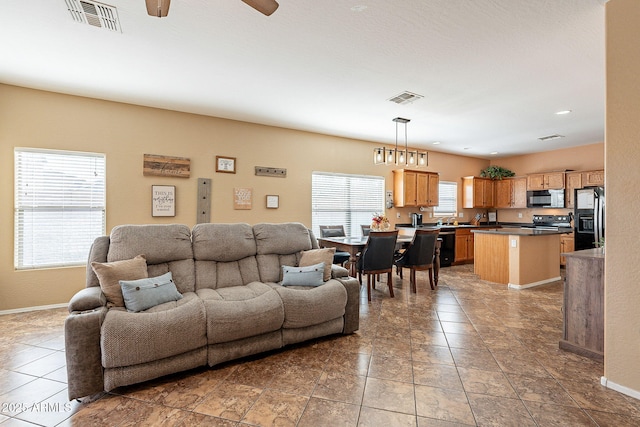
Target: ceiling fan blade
<point>158,8</point>
<point>266,7</point>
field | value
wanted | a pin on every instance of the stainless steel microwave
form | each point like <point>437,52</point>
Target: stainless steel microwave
<point>545,199</point>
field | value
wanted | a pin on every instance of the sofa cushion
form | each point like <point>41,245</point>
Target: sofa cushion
<point>143,294</point>
<point>159,242</point>
<point>311,275</point>
<point>307,306</point>
<point>165,330</point>
<point>110,273</point>
<point>223,242</point>
<point>281,239</point>
<point>315,256</point>
<point>241,311</point>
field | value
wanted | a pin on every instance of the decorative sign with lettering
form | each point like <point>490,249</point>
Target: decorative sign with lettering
<point>242,198</point>
<point>155,165</point>
<point>163,200</point>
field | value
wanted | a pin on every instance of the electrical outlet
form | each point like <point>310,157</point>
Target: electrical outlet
<point>519,214</point>
<point>514,243</point>
<point>461,215</point>
<point>430,215</point>
<point>398,215</point>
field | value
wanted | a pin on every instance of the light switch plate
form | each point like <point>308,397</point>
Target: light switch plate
<point>519,214</point>
<point>461,214</point>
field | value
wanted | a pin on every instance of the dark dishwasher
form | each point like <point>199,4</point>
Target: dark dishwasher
<point>447,248</point>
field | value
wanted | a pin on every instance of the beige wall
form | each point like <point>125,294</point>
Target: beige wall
<point>622,263</point>
<point>32,118</point>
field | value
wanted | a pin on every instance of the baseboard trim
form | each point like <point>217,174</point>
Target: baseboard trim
<point>620,388</point>
<point>531,285</point>
<point>36,308</point>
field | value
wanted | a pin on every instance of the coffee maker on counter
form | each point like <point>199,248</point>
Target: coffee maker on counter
<point>416,220</point>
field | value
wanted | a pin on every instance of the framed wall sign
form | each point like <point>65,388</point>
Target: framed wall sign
<point>242,198</point>
<point>225,164</point>
<point>163,200</point>
<point>273,201</point>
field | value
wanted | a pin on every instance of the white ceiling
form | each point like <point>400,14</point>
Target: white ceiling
<point>492,72</point>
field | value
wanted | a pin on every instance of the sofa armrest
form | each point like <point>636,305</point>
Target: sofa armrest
<point>352,310</point>
<point>338,271</point>
<point>87,299</point>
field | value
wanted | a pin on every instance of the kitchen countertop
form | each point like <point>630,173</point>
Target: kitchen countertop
<point>586,253</point>
<point>520,231</point>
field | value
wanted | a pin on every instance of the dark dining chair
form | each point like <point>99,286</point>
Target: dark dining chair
<point>419,256</point>
<point>340,257</point>
<point>377,258</point>
<point>366,229</point>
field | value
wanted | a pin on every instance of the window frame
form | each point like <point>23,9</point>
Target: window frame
<point>350,216</point>
<point>444,191</point>
<point>59,206</point>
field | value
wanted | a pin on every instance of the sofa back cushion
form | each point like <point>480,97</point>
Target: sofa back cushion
<point>225,255</point>
<point>278,245</point>
<point>167,248</point>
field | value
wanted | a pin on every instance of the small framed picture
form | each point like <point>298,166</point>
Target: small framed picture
<point>225,164</point>
<point>163,200</point>
<point>273,201</point>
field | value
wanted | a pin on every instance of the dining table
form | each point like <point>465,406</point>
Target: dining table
<point>355,245</point>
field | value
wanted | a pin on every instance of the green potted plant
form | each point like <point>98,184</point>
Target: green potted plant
<point>496,172</point>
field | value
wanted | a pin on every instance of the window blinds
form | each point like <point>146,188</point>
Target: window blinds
<point>349,200</point>
<point>447,192</point>
<point>59,206</point>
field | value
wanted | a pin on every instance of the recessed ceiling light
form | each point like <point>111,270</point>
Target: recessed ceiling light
<point>466,148</point>
<point>493,153</point>
<point>359,8</point>
<point>560,113</point>
<point>436,143</point>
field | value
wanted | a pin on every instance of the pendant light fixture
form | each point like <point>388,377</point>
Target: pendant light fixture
<point>399,156</point>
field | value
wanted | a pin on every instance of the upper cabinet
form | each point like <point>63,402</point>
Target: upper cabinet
<point>477,192</point>
<point>545,181</point>
<point>593,178</point>
<point>574,180</point>
<point>415,188</point>
<point>511,193</point>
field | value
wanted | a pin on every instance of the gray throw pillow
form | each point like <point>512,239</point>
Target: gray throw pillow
<point>303,276</point>
<point>142,294</point>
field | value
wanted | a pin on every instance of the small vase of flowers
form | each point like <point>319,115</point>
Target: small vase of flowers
<point>380,222</point>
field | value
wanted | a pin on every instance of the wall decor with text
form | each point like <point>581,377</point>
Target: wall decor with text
<point>242,198</point>
<point>225,164</point>
<point>163,200</point>
<point>156,165</point>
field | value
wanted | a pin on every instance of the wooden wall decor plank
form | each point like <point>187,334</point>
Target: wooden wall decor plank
<point>156,165</point>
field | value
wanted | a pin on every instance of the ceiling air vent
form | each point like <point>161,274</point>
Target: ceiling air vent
<point>550,137</point>
<point>94,13</point>
<point>405,98</point>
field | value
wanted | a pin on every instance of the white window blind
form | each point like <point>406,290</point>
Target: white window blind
<point>348,200</point>
<point>448,192</point>
<point>59,206</point>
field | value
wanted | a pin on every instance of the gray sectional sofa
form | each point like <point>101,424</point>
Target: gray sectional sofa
<point>232,303</point>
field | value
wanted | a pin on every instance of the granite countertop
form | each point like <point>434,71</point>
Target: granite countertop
<point>519,231</point>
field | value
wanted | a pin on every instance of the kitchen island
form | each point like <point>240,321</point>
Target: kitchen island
<point>518,257</point>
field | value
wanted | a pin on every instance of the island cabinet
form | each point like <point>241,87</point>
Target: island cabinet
<point>477,192</point>
<point>583,309</point>
<point>511,193</point>
<point>567,244</point>
<point>464,248</point>
<point>415,188</point>
<point>545,181</point>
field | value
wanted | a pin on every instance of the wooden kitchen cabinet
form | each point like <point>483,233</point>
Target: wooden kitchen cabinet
<point>511,193</point>
<point>477,192</point>
<point>567,244</point>
<point>574,180</point>
<point>545,181</point>
<point>415,188</point>
<point>593,178</point>
<point>464,249</point>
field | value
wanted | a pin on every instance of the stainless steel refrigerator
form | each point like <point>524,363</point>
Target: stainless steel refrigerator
<point>588,217</point>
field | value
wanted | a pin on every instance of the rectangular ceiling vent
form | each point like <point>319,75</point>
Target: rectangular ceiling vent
<point>93,13</point>
<point>550,137</point>
<point>405,97</point>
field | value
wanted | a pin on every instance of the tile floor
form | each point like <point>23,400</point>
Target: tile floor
<point>469,353</point>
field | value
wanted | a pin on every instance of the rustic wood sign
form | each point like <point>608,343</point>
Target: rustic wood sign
<point>155,165</point>
<point>242,198</point>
